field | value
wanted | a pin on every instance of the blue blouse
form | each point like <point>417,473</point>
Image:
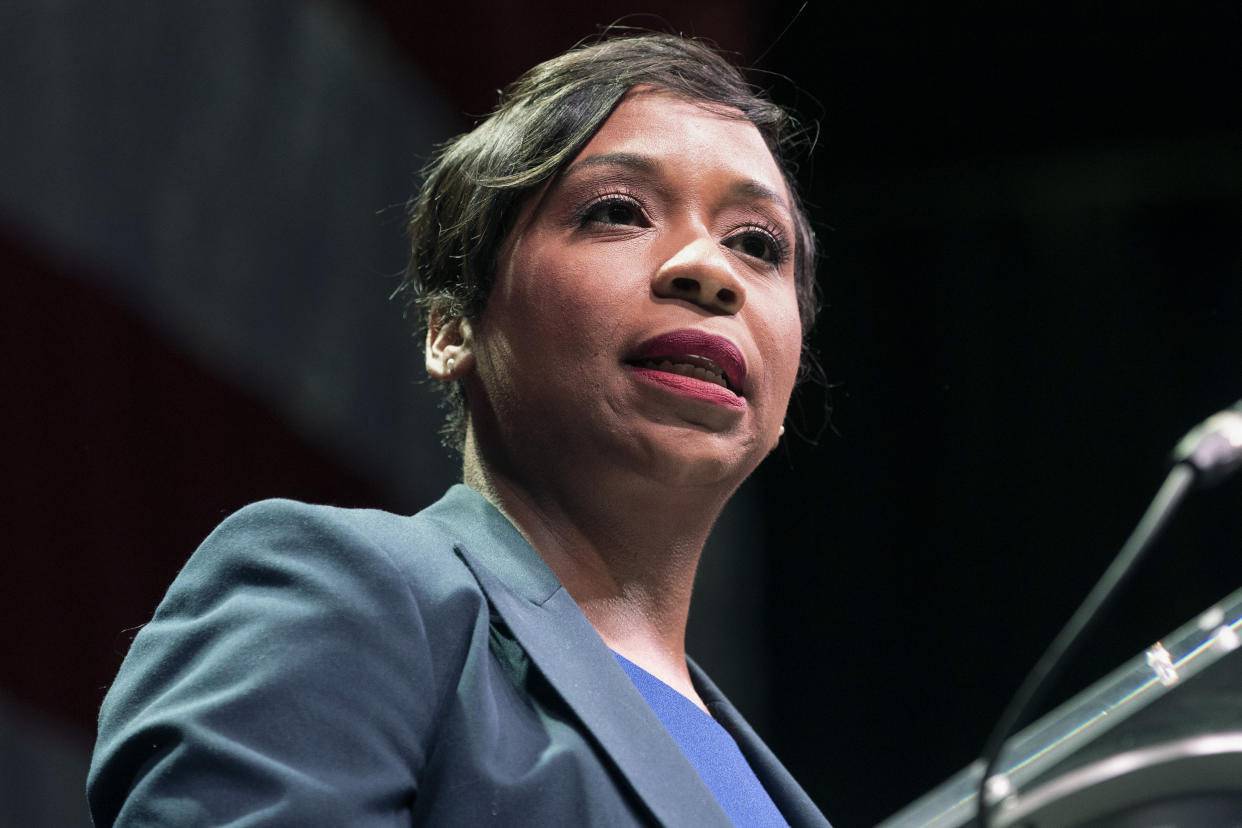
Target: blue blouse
<point>711,750</point>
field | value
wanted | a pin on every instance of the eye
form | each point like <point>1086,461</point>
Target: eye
<point>760,243</point>
<point>615,209</point>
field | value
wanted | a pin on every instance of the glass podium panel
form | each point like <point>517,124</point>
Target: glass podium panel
<point>1152,711</point>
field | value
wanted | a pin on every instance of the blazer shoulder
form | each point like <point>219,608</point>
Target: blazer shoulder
<point>418,549</point>
<point>301,648</point>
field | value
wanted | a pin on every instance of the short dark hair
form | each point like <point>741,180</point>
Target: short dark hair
<point>477,182</point>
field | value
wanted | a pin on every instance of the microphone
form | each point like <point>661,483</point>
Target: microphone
<point>1214,447</point>
<point>1208,454</point>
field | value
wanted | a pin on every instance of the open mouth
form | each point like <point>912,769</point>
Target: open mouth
<point>696,363</point>
<point>689,365</point>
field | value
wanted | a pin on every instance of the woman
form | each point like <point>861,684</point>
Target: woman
<point>614,274</point>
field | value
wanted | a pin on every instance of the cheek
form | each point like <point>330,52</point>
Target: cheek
<point>539,311</point>
<point>574,297</point>
<point>525,296</point>
<point>537,282</point>
<point>786,342</point>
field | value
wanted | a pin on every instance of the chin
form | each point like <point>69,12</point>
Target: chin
<point>701,460</point>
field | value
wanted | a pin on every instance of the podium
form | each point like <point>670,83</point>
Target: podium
<point>1158,742</point>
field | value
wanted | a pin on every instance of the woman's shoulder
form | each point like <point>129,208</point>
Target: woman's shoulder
<point>294,634</point>
<point>417,549</point>
<point>275,518</point>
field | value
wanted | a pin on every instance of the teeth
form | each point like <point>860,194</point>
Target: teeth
<point>685,369</point>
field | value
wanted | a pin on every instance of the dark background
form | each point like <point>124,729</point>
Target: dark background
<point>1031,220</point>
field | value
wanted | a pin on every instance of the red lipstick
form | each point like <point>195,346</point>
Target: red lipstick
<point>693,363</point>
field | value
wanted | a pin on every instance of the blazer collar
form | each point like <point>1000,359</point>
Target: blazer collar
<point>568,651</point>
<point>791,800</point>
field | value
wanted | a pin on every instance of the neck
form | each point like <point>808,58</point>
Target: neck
<point>625,549</point>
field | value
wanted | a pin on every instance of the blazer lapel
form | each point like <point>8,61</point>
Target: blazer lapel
<point>570,654</point>
<point>790,798</point>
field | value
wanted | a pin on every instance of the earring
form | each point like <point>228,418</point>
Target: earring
<point>782,432</point>
<point>449,367</point>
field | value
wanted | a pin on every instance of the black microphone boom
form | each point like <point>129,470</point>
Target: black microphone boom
<point>1208,454</point>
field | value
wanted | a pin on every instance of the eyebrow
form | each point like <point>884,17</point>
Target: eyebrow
<point>746,189</point>
<point>630,160</point>
<point>749,189</point>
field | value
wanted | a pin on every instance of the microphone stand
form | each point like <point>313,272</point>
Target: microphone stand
<point>1204,457</point>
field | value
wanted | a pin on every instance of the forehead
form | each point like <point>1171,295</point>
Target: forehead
<point>690,136</point>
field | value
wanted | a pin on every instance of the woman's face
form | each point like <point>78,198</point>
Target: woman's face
<point>644,315</point>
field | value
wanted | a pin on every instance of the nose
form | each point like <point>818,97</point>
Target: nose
<point>699,272</point>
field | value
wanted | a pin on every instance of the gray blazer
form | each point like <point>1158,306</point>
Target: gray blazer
<point>315,666</point>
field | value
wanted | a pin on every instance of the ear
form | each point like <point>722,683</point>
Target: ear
<point>450,347</point>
